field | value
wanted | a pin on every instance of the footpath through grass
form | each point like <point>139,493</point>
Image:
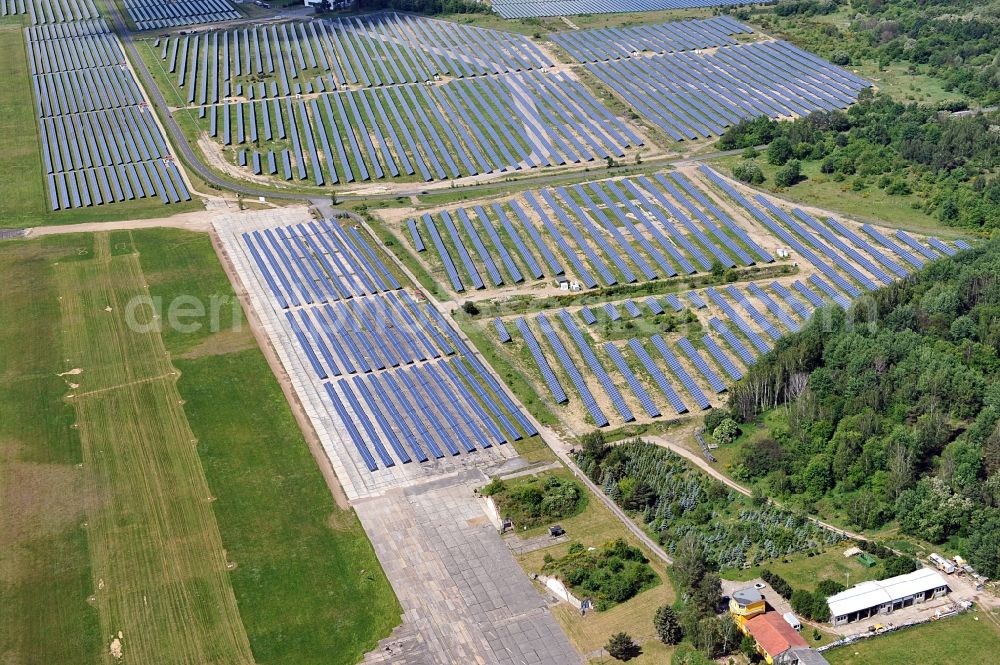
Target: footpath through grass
<point>188,514</point>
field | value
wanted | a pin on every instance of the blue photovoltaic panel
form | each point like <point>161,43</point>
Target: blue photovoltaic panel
<point>961,244</point>
<point>941,247</point>
<point>739,321</point>
<point>595,366</point>
<point>912,242</point>
<point>463,253</point>
<point>734,342</point>
<point>696,300</point>
<point>679,371</point>
<point>692,353</point>
<point>774,308</point>
<point>640,392</point>
<point>800,307</point>
<point>558,394</point>
<point>867,247</point>
<point>727,365</point>
<point>449,265</point>
<point>674,302</point>
<point>612,311</point>
<point>658,376</point>
<point>653,306</point>
<point>418,242</point>
<point>588,316</point>
<point>600,420</point>
<point>833,293</point>
<point>842,246</point>
<point>477,242</point>
<point>632,309</point>
<point>754,313</point>
<point>501,329</point>
<point>356,438</point>
<point>814,299</point>
<point>913,260</point>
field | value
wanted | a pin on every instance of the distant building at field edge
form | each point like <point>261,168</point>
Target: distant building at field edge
<point>869,599</point>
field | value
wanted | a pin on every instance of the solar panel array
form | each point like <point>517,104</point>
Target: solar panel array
<point>848,264</point>
<point>604,233</point>
<point>693,95</point>
<point>743,321</point>
<point>404,385</point>
<point>100,142</point>
<point>532,8</point>
<point>153,14</point>
<point>669,37</point>
<point>50,11</point>
<point>493,102</point>
<point>456,129</point>
<point>372,50</point>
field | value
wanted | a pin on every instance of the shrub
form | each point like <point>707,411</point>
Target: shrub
<point>778,583</point>
<point>788,174</point>
<point>726,432</point>
<point>611,575</point>
<point>749,172</point>
<point>534,501</point>
<point>470,308</point>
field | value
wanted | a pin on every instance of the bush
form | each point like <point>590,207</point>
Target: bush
<point>714,418</point>
<point>788,174</point>
<point>749,172</point>
<point>470,308</point>
<point>726,432</point>
<point>622,647</point>
<point>531,502</point>
<point>611,575</point>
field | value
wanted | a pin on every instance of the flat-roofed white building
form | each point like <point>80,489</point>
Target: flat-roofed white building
<point>868,599</point>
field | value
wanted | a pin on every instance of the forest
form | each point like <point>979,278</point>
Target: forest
<point>949,161</point>
<point>889,413</point>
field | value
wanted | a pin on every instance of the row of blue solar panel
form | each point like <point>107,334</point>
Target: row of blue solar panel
<point>318,262</point>
<point>403,383</point>
<point>823,243</point>
<point>421,412</point>
<point>692,95</point>
<point>595,368</point>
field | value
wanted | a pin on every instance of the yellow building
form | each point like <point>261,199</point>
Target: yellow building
<point>745,604</point>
